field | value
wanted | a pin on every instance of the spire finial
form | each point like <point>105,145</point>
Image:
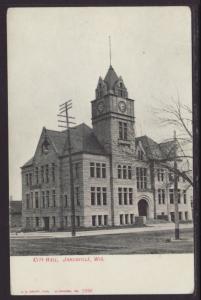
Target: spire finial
<point>110,52</point>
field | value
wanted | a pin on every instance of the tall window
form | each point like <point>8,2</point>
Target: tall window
<point>31,204</point>
<point>131,218</point>
<point>123,131</point>
<point>65,200</point>
<point>92,169</point>
<point>119,171</point>
<point>104,196</point>
<point>126,218</point>
<point>184,196</point>
<point>130,196</point>
<point>37,221</point>
<point>47,173</point>
<point>27,179</point>
<point>42,174</point>
<point>93,196</point>
<point>48,198</point>
<point>125,196</point>
<point>27,201</point>
<point>129,172</point>
<point>43,199</point>
<point>124,172</point>
<point>53,172</point>
<point>53,198</point>
<point>161,196</point>
<point>78,221</point>
<point>105,220</point>
<point>98,196</point>
<point>141,174</point>
<point>179,196</point>
<point>93,220</point>
<point>77,195</point>
<point>30,179</point>
<point>76,170</point>
<point>99,220</point>
<point>171,176</point>
<point>160,174</point>
<point>36,174</point>
<point>120,195</point>
<point>36,200</point>
<point>98,170</point>
<point>103,170</point>
<point>171,195</point>
<point>140,155</point>
<point>121,219</point>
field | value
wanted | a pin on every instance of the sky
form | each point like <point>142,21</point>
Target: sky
<point>56,54</point>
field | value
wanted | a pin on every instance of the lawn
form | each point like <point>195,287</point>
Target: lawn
<point>124,243</point>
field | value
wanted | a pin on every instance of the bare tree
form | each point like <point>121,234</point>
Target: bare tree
<point>178,116</point>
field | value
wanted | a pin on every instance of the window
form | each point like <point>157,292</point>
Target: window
<point>119,171</point>
<point>180,215</point>
<point>121,219</point>
<point>93,195</point>
<point>172,216</point>
<point>171,196</point>
<point>92,169</point>
<point>171,176</point>
<point>104,196</point>
<point>125,196</point>
<point>53,198</point>
<point>179,196</point>
<point>27,201</point>
<point>31,204</point>
<point>132,218</point>
<point>30,179</point>
<point>103,170</point>
<point>141,174</point>
<point>43,199</point>
<point>53,221</point>
<point>161,196</point>
<point>27,179</point>
<point>36,200</point>
<point>105,220</point>
<point>120,195</point>
<point>99,220</point>
<point>47,173</point>
<point>78,221</point>
<point>37,221</point>
<point>140,155</point>
<point>53,172</point>
<point>126,219</point>
<point>98,169</point>
<point>42,174</point>
<point>36,174</point>
<point>130,196</point>
<point>184,196</point>
<point>123,131</point>
<point>98,196</point>
<point>77,195</point>
<point>124,172</point>
<point>93,220</point>
<point>65,200</point>
<point>129,172</point>
<point>65,221</point>
<point>47,198</point>
<point>186,215</point>
<point>77,170</point>
<point>160,174</point>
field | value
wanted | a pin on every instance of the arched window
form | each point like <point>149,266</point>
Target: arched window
<point>121,85</point>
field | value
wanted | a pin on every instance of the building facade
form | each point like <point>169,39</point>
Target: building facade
<point>117,176</point>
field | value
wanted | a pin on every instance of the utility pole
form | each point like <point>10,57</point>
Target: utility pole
<point>176,215</point>
<point>63,112</point>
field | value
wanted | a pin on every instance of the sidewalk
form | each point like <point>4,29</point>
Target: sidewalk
<point>63,234</point>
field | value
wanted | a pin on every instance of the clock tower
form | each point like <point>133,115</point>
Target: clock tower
<point>113,115</point>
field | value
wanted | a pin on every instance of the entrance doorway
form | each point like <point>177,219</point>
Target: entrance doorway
<point>143,208</point>
<point>46,223</point>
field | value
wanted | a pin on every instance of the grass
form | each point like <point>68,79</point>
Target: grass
<point>124,243</point>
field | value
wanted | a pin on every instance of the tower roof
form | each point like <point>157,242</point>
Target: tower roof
<point>111,77</point>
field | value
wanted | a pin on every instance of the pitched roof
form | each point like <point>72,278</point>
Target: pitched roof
<point>111,77</point>
<point>58,139</point>
<point>167,148</point>
<point>28,163</point>
<point>151,148</point>
<point>84,140</point>
<point>15,207</point>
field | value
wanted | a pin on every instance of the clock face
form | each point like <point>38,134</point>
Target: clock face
<point>122,106</point>
<point>100,106</point>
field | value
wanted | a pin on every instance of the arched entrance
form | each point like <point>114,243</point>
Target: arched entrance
<point>143,208</point>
